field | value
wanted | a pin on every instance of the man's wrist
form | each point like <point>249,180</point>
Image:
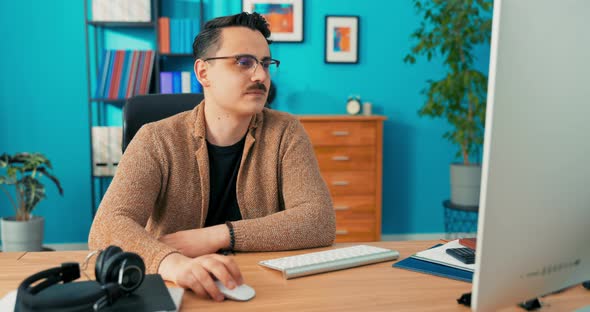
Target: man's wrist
<point>169,264</point>
<point>221,236</point>
<point>232,239</point>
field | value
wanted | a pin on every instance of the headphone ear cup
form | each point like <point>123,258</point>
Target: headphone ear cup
<point>133,272</point>
<point>101,260</point>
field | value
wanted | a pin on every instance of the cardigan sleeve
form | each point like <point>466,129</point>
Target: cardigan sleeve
<point>130,200</point>
<point>308,219</point>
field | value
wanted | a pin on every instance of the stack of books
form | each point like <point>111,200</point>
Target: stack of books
<point>176,35</point>
<point>124,73</point>
<point>436,261</point>
<point>179,82</point>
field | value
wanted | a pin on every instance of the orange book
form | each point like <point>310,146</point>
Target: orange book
<point>468,242</point>
<point>164,27</point>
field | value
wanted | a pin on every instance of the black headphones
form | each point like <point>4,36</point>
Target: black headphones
<point>117,273</point>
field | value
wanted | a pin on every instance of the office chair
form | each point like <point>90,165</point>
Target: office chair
<point>141,109</point>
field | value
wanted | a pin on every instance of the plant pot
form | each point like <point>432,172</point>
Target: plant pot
<point>465,184</point>
<point>22,235</point>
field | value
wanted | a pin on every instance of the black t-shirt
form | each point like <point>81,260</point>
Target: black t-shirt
<point>224,163</point>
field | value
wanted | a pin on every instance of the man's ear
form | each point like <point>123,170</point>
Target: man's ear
<point>200,68</point>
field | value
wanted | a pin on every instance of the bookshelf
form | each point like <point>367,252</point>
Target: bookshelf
<point>139,32</point>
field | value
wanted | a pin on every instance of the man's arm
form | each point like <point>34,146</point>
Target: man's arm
<point>308,219</point>
<point>130,200</point>
<point>125,210</point>
<point>198,242</point>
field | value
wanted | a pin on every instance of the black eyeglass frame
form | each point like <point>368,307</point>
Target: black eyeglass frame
<point>237,57</point>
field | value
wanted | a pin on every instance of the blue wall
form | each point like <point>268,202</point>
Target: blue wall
<point>43,103</point>
<point>43,106</point>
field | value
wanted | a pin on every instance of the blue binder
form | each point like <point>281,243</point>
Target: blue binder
<point>422,266</point>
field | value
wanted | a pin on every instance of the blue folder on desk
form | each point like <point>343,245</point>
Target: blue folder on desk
<point>422,266</point>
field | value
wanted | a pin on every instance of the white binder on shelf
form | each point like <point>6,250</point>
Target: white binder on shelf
<point>106,150</point>
<point>121,10</point>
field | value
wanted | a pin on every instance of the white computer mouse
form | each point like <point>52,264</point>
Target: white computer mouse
<point>239,293</point>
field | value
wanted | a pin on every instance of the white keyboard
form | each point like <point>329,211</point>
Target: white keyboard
<point>329,260</point>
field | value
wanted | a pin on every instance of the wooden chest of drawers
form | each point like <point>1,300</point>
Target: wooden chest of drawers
<point>349,150</point>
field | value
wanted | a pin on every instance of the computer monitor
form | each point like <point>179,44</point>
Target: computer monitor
<point>534,219</point>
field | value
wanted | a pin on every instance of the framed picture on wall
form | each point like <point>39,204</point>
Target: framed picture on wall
<point>342,39</point>
<point>285,17</point>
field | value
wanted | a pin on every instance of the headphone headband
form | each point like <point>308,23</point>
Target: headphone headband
<point>70,271</point>
<point>52,276</point>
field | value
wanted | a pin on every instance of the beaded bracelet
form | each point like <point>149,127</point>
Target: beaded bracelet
<point>232,239</point>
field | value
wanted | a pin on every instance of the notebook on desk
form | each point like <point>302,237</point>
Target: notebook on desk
<point>152,295</point>
<point>418,265</point>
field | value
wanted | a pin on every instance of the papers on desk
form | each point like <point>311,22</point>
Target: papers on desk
<point>8,301</point>
<point>176,294</point>
<point>437,262</point>
<point>439,255</point>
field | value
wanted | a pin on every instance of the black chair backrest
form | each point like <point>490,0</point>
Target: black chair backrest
<point>143,109</point>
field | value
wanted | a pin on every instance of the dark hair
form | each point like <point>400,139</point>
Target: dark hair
<point>208,39</point>
<point>272,93</point>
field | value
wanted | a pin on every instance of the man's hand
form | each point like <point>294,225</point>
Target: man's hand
<point>198,273</point>
<point>198,242</point>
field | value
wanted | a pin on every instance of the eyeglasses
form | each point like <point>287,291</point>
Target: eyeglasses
<point>247,63</point>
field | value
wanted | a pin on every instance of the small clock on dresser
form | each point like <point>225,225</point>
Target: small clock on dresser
<point>353,105</point>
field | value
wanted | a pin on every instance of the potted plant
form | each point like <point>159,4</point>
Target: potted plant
<point>452,29</point>
<point>24,171</point>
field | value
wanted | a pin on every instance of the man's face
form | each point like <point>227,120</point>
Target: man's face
<point>231,85</point>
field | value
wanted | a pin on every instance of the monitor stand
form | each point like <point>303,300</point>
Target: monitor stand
<point>530,305</point>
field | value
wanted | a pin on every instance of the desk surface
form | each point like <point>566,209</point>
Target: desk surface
<point>376,287</point>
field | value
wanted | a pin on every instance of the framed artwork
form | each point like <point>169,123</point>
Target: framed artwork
<point>285,17</point>
<point>342,39</point>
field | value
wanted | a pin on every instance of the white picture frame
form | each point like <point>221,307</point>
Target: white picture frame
<point>285,17</point>
<point>342,39</point>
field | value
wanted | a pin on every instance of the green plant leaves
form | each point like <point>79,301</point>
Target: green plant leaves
<point>452,28</point>
<point>33,191</point>
<point>24,171</point>
<point>4,160</point>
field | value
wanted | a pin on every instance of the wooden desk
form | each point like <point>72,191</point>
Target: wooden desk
<point>377,287</point>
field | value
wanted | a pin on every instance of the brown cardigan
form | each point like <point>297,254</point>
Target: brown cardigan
<point>162,186</point>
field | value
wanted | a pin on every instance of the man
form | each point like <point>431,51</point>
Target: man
<point>229,174</point>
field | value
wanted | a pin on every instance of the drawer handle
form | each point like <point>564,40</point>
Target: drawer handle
<point>340,183</point>
<point>341,158</point>
<point>340,133</point>
<point>341,207</point>
<point>341,232</point>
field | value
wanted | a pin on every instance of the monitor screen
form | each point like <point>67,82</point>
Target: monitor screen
<point>534,219</point>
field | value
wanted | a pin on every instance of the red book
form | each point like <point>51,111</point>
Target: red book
<point>152,55</point>
<point>146,72</point>
<point>117,71</point>
<point>111,91</point>
<point>468,242</point>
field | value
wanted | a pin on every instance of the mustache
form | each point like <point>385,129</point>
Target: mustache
<point>257,86</point>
